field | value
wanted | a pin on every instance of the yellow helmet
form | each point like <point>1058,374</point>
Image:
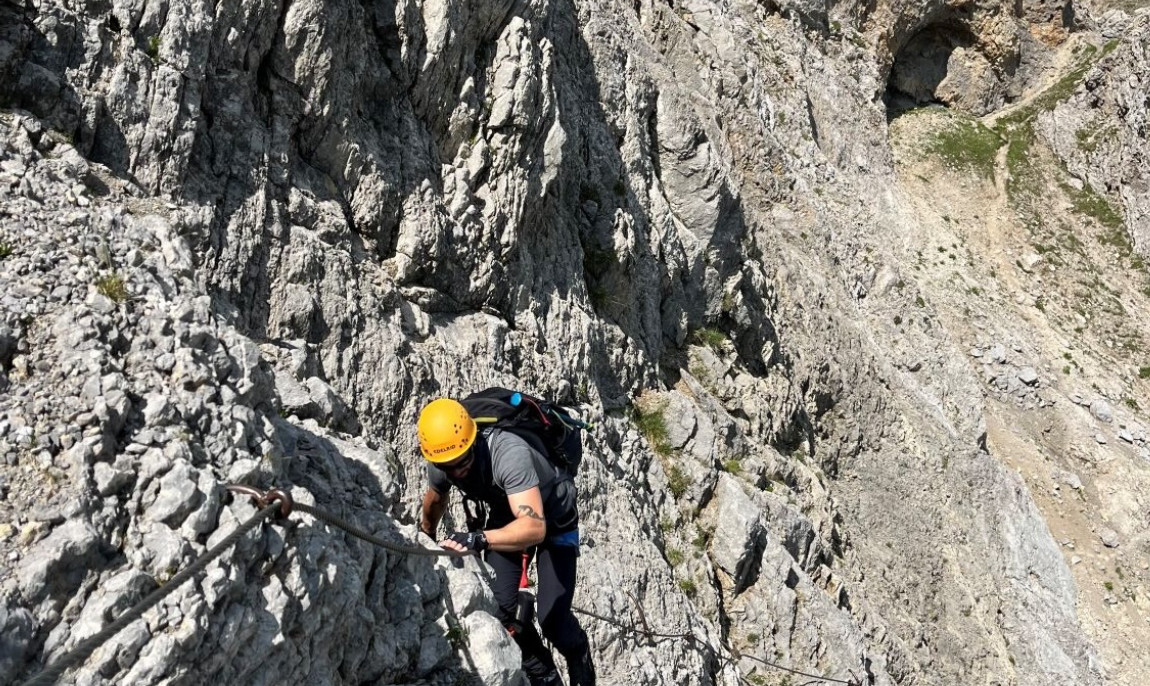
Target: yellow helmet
<point>446,431</point>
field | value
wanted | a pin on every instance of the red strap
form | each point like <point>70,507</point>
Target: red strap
<point>523,579</point>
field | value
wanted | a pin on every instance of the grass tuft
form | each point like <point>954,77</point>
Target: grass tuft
<point>153,48</point>
<point>113,287</point>
<point>712,338</point>
<point>1090,203</point>
<point>653,425</point>
<point>677,481</point>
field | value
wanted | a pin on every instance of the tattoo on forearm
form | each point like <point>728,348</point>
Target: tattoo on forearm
<point>528,511</point>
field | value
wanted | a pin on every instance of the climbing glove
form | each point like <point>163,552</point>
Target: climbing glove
<point>472,540</point>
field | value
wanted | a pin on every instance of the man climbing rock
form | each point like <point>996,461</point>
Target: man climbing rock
<point>520,504</point>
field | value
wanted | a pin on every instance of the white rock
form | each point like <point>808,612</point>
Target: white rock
<point>739,535</point>
<point>1109,537</point>
<point>1102,410</point>
<point>496,657</point>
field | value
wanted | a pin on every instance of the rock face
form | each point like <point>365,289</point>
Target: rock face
<point>974,57</point>
<point>142,401</point>
<point>1100,130</point>
<point>245,242</point>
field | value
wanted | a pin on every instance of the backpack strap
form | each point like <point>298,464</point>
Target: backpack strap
<point>475,512</point>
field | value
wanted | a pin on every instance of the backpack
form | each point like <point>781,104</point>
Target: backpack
<point>542,423</point>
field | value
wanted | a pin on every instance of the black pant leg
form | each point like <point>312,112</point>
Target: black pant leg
<point>557,568</point>
<point>507,569</point>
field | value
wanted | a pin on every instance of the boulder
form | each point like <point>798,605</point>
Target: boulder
<point>739,533</point>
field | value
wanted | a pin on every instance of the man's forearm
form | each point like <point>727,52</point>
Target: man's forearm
<point>520,534</point>
<point>434,505</point>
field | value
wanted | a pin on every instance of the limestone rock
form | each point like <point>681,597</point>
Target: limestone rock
<point>739,534</point>
<point>1102,411</point>
<point>1109,538</point>
<point>59,561</point>
<point>17,626</point>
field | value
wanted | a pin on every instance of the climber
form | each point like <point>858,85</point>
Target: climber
<point>529,509</point>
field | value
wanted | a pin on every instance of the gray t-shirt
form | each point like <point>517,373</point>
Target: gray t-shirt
<point>506,464</point>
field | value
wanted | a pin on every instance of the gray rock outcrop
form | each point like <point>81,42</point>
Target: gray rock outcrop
<point>1100,130</point>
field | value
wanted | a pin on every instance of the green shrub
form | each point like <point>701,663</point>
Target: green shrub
<point>688,586</point>
<point>702,538</point>
<point>1144,372</point>
<point>674,556</point>
<point>5,250</point>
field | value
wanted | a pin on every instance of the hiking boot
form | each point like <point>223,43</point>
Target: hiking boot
<point>580,669</point>
<point>551,678</point>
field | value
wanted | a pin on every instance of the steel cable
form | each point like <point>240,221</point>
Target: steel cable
<point>84,649</point>
<point>795,671</point>
<point>696,639</point>
<point>280,502</point>
<point>654,634</point>
<point>411,550</point>
<point>359,533</point>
